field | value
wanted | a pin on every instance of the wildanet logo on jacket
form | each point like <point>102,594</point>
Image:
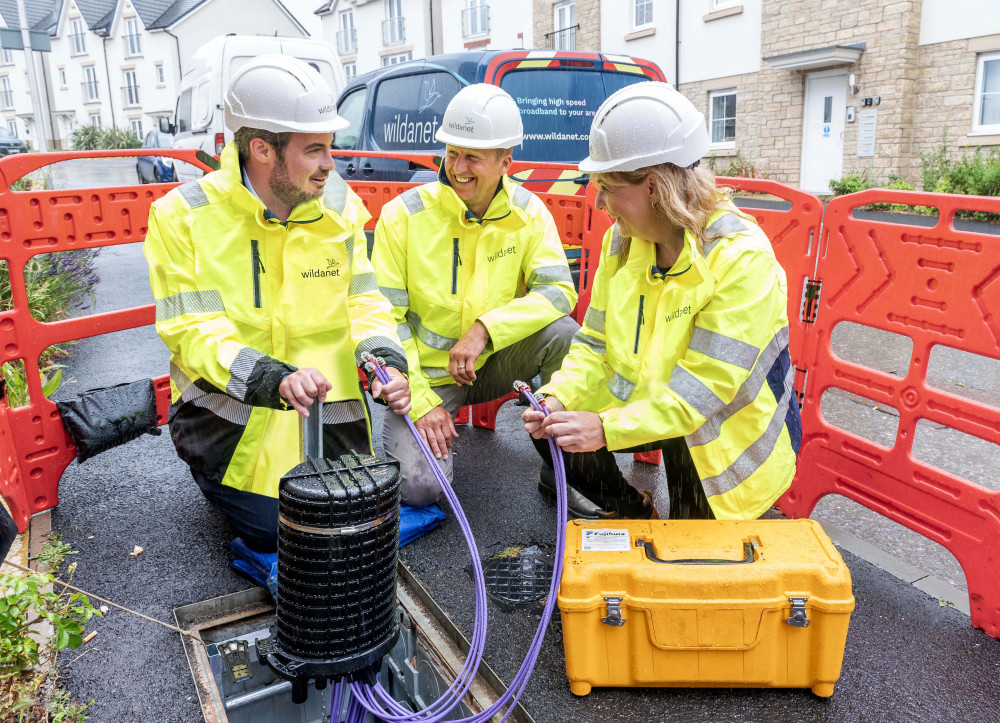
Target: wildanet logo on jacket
<point>331,270</point>
<point>501,253</point>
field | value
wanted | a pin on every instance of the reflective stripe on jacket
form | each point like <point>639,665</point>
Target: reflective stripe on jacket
<point>702,353</point>
<point>243,299</point>
<point>442,269</point>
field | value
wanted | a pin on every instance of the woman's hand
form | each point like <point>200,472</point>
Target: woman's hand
<point>575,431</point>
<point>533,419</point>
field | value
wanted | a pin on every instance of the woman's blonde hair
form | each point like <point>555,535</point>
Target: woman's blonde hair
<point>685,197</point>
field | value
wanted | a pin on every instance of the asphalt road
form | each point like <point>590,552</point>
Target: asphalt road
<point>908,658</point>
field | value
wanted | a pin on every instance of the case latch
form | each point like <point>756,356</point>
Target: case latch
<point>614,616</point>
<point>798,618</point>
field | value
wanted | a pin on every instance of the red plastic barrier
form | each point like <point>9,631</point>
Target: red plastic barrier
<point>35,446</point>
<point>937,286</point>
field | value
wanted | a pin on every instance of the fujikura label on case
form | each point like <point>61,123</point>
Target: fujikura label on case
<point>605,540</point>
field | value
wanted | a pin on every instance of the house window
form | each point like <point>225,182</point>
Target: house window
<point>159,75</point>
<point>90,83</point>
<point>79,39</point>
<point>347,38</point>
<point>393,32</point>
<point>642,13</point>
<point>130,91</point>
<point>95,119</point>
<point>986,110</point>
<point>132,38</point>
<point>564,34</point>
<point>12,127</point>
<point>136,125</point>
<point>6,94</point>
<point>722,4</point>
<point>6,57</point>
<point>350,70</point>
<point>476,19</point>
<point>62,77</point>
<point>396,59</point>
<point>722,117</point>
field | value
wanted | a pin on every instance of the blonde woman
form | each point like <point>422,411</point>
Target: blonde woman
<point>684,347</point>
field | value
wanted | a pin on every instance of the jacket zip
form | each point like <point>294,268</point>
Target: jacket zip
<point>456,261</point>
<point>638,324</point>
<point>258,269</point>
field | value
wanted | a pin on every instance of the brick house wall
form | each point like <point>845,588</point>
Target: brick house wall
<point>770,103</point>
<point>588,17</point>
<point>946,77</point>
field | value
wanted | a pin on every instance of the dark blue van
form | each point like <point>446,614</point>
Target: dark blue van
<point>399,108</point>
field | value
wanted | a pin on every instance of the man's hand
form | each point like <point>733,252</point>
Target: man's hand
<point>300,389</point>
<point>576,431</point>
<point>438,429</point>
<point>533,419</point>
<point>396,393</point>
<point>462,358</point>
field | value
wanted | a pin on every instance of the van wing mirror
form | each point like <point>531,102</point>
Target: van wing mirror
<point>166,126</point>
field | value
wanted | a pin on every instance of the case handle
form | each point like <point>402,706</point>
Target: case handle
<point>748,556</point>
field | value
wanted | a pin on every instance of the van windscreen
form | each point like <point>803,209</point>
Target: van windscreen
<point>557,106</point>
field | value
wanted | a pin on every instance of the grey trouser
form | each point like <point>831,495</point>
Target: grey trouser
<point>541,353</point>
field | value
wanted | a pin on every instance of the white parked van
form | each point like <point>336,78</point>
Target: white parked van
<point>198,122</point>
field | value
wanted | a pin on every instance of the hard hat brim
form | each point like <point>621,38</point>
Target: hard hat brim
<point>330,126</point>
<point>589,165</point>
<point>443,136</point>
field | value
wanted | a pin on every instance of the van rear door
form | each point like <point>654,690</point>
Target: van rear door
<point>558,102</point>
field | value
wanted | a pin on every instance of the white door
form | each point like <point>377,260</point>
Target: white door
<point>823,130</point>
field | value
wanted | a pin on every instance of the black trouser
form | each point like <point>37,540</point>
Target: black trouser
<point>254,517</point>
<point>597,477</point>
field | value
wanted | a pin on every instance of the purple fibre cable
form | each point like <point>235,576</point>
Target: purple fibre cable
<point>462,683</point>
<point>365,694</point>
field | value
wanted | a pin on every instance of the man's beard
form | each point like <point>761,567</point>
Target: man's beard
<point>286,191</point>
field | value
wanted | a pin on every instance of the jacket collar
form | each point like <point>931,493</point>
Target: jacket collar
<point>500,208</point>
<point>690,267</point>
<point>230,181</point>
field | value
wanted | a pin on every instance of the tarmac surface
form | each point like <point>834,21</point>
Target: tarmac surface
<point>908,657</point>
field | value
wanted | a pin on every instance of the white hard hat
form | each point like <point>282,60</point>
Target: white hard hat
<point>281,94</point>
<point>481,116</point>
<point>642,125</point>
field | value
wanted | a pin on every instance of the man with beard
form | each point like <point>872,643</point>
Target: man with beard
<point>266,299</point>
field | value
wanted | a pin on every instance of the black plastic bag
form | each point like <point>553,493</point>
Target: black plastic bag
<point>100,419</point>
<point>8,531</point>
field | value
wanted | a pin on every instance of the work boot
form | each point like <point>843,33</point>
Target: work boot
<point>581,507</point>
<point>577,505</point>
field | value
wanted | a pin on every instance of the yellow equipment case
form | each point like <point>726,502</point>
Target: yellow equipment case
<point>696,603</point>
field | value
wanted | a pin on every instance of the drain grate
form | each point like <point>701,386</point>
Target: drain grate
<point>518,580</point>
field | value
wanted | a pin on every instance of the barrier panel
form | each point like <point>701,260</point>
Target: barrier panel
<point>35,446</point>
<point>935,286</point>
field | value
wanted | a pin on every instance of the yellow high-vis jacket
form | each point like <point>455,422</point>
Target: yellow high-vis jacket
<point>243,300</point>
<point>442,269</point>
<point>701,353</point>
